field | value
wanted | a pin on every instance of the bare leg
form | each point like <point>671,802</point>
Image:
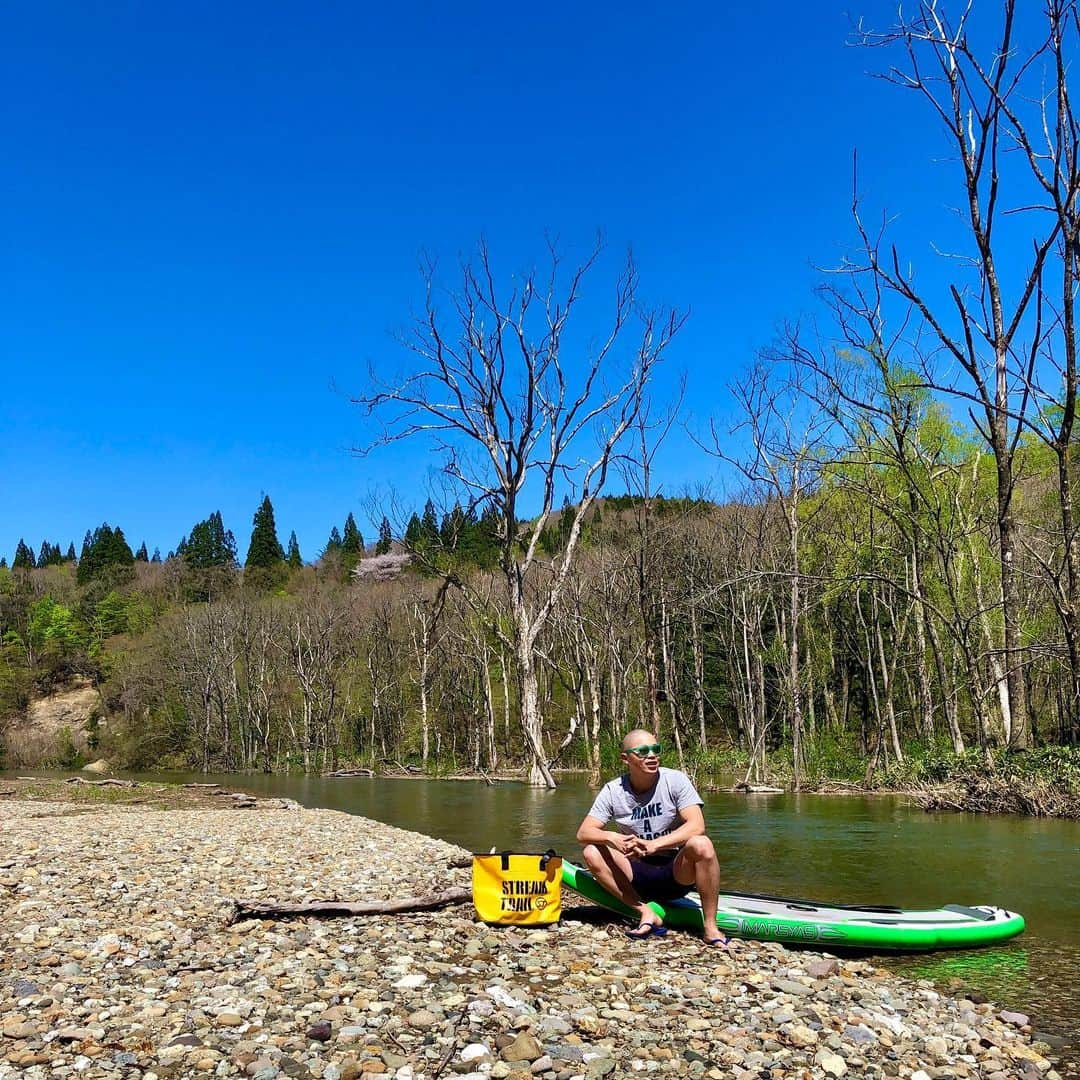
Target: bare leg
<point>698,865</point>
<point>612,870</point>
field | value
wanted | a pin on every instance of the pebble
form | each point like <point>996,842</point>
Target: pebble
<point>1017,1019</point>
<point>523,1048</point>
<point>832,1063</point>
<point>118,924</point>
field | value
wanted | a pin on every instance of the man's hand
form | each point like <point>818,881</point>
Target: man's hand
<point>633,847</point>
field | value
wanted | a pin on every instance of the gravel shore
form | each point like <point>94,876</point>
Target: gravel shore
<point>118,961</point>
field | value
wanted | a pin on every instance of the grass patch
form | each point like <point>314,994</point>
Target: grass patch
<point>148,796</point>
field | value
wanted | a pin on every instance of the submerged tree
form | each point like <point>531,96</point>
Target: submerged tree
<point>509,402</point>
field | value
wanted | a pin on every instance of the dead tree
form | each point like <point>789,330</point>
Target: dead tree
<point>788,437</point>
<point>518,408</point>
<point>990,324</point>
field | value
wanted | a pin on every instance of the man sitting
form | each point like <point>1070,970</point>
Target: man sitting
<point>660,851</point>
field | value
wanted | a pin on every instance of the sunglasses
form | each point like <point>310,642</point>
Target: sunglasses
<point>646,751</point>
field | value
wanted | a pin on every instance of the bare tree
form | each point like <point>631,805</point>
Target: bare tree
<point>316,641</point>
<point>425,611</point>
<point>650,432</point>
<point>788,433</point>
<point>991,328</point>
<point>518,410</point>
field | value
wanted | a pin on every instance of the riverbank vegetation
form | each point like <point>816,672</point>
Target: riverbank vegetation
<point>891,595</point>
<point>381,665</point>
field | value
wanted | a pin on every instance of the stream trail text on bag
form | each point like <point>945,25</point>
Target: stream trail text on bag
<point>517,889</point>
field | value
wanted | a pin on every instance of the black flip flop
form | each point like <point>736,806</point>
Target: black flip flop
<point>650,929</point>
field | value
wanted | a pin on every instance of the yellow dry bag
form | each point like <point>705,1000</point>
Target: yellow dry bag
<point>517,889</point>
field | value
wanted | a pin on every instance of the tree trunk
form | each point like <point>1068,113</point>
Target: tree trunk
<point>794,666</point>
<point>1019,736</point>
<point>699,673</point>
<point>532,721</point>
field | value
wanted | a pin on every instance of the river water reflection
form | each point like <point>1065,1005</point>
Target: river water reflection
<point>845,849</point>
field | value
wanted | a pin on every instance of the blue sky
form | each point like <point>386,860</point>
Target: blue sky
<point>213,216</point>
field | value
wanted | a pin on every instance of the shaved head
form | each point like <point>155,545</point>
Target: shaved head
<point>637,737</point>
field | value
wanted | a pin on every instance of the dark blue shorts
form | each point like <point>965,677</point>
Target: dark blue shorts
<point>656,880</point>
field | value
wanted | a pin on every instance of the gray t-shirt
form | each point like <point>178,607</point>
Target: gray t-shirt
<point>654,813</point>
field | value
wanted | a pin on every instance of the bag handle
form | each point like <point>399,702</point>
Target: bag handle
<point>504,857</point>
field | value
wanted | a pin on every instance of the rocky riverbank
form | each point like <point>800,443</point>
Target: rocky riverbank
<point>119,961</point>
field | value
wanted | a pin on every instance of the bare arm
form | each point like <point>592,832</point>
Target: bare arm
<point>594,831</point>
<point>693,824</point>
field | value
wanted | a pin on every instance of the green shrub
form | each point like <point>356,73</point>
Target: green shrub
<point>68,755</point>
<point>933,763</point>
<point>1058,766</point>
<point>832,757</point>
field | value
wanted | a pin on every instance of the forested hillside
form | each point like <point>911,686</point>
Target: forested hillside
<point>879,630</point>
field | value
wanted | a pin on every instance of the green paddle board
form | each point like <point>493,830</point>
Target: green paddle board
<point>807,922</point>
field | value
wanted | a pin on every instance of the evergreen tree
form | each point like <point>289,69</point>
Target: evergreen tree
<point>333,544</point>
<point>352,543</point>
<point>452,529</point>
<point>45,554</point>
<point>429,524</point>
<point>265,549</point>
<point>156,557</point>
<point>210,544</point>
<point>142,555</point>
<point>103,548</point>
<point>3,562</point>
<point>120,553</point>
<point>386,538</point>
<point>483,539</point>
<point>209,558</point>
<point>295,562</point>
<point>88,539</point>
<point>413,532</point>
<point>70,556</point>
<point>549,540</point>
<point>566,521</point>
<point>24,557</point>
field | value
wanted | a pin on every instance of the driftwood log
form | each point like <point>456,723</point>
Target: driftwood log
<point>758,789</point>
<point>411,770</point>
<point>100,783</point>
<point>259,909</point>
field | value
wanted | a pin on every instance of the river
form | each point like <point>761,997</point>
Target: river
<point>844,849</point>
